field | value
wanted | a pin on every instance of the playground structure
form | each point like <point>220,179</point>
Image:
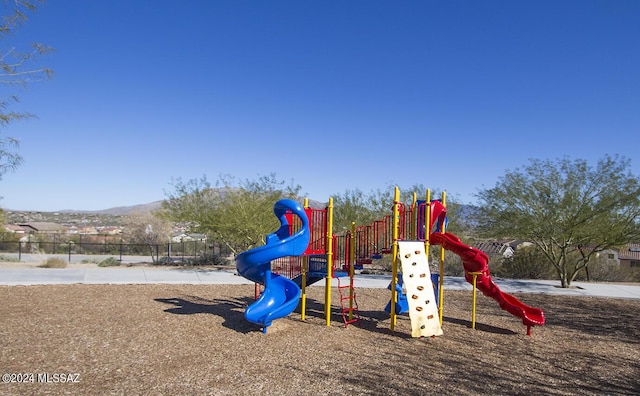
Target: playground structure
<point>304,250</point>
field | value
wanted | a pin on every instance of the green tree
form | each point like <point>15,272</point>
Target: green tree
<point>237,213</point>
<point>364,208</point>
<point>3,222</point>
<point>570,210</point>
<point>17,70</point>
<point>453,207</point>
<point>356,206</point>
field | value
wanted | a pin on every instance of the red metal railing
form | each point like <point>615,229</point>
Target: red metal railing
<point>318,230</point>
<point>289,266</point>
<point>370,240</point>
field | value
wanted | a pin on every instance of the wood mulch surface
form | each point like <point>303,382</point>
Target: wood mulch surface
<point>194,340</point>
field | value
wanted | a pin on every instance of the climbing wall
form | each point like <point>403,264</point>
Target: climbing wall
<point>423,310</point>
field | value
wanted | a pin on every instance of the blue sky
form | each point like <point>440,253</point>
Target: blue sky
<point>332,95</point>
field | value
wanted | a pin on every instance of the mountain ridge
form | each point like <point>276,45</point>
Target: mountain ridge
<point>127,210</point>
<point>120,210</point>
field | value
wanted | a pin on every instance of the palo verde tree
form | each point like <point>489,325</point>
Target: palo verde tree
<point>237,213</point>
<point>570,210</point>
<point>453,206</point>
<point>17,70</point>
<point>364,208</point>
<point>359,207</point>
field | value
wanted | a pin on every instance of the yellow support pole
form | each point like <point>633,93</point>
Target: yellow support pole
<point>329,246</point>
<point>441,280</point>
<point>414,219</point>
<point>473,303</point>
<point>427,226</point>
<point>303,270</point>
<point>352,264</point>
<point>427,222</point>
<point>394,252</point>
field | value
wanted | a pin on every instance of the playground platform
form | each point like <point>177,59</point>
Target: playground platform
<point>125,276</point>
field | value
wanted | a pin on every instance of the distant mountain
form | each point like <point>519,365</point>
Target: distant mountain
<point>118,210</point>
<point>151,206</point>
<point>126,210</point>
<point>316,204</point>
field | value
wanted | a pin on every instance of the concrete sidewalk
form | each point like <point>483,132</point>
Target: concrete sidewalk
<point>117,276</point>
<point>120,276</point>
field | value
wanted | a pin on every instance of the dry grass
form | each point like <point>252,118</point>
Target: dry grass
<point>53,262</point>
<point>193,339</point>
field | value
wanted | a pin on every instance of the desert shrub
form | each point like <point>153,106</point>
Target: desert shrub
<point>54,262</point>
<point>7,259</point>
<point>167,261</point>
<point>383,263</point>
<point>452,263</point>
<point>635,274</point>
<point>526,263</point>
<point>603,270</point>
<point>109,262</point>
<point>207,259</point>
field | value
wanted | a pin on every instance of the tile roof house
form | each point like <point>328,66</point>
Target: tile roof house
<point>110,230</point>
<point>184,237</point>
<point>497,248</point>
<point>16,229</point>
<point>629,255</point>
<point>43,227</point>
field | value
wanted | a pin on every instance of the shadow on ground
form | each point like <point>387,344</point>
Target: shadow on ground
<point>479,326</point>
<point>231,310</point>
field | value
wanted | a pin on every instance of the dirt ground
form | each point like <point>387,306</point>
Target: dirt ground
<point>193,339</point>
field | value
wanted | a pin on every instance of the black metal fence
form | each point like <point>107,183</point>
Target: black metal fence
<point>183,250</point>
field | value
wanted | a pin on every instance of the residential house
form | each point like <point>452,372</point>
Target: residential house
<point>185,237</point>
<point>15,229</point>
<point>44,227</point>
<point>504,249</point>
<point>88,230</point>
<point>179,236</point>
<point>629,255</point>
<point>610,255</point>
<point>110,230</point>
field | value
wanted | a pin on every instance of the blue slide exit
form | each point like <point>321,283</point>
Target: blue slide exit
<point>281,295</point>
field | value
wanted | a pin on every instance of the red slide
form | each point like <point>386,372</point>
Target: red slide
<point>475,260</point>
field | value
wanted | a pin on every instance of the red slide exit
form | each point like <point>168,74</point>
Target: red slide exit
<point>475,260</point>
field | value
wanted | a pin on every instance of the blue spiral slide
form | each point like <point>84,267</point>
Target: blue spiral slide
<point>281,295</point>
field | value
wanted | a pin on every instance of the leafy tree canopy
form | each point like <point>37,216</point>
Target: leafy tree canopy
<point>238,213</point>
<point>17,69</point>
<point>567,208</point>
<point>364,208</point>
